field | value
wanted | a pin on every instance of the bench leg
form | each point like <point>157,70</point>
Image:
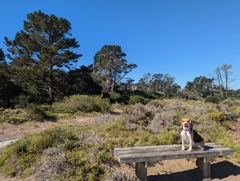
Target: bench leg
<point>141,171</point>
<point>204,168</point>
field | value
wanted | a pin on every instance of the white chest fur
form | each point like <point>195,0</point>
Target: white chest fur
<point>186,136</point>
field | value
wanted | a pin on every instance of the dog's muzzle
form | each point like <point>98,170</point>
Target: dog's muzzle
<point>185,127</point>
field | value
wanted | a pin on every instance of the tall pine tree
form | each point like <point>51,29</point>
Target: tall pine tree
<point>39,51</point>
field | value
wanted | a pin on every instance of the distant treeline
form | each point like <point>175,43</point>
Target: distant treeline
<point>41,69</point>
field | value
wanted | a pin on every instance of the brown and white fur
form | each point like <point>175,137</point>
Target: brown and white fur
<point>190,135</point>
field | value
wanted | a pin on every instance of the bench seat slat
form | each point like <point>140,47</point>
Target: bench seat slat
<point>140,151</point>
<point>156,148</point>
<point>163,146</point>
<point>219,152</point>
<point>163,152</point>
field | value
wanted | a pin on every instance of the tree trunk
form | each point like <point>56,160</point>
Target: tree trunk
<point>50,88</point>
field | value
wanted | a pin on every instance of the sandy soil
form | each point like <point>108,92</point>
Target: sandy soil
<point>8,131</point>
<point>168,170</point>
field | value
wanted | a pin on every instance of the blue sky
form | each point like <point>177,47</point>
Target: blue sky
<point>182,38</point>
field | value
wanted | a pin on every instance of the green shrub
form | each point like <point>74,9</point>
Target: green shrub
<point>218,116</point>
<point>82,103</point>
<point>236,110</point>
<point>13,116</point>
<point>115,97</point>
<point>214,99</point>
<point>24,153</point>
<point>137,99</point>
<point>88,150</point>
<point>21,101</point>
<point>231,102</point>
<point>35,112</point>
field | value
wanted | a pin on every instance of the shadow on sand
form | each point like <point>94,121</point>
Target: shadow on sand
<point>219,170</point>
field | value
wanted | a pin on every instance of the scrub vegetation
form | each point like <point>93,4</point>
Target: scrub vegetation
<point>86,152</point>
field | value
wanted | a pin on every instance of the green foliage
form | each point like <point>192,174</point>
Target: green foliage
<point>59,115</point>
<point>24,153</point>
<point>113,130</point>
<point>82,103</point>
<point>86,167</point>
<point>21,101</point>
<point>20,158</point>
<point>69,108</point>
<point>13,116</point>
<point>35,112</point>
<point>2,55</point>
<point>88,150</point>
<point>8,89</point>
<point>220,136</point>
<point>218,116</point>
<point>114,96</point>
<point>169,136</point>
<point>227,125</point>
<point>158,83</point>
<point>137,99</point>
<point>236,111</point>
<point>200,87</point>
<point>214,99</point>
<point>110,67</point>
<point>39,52</point>
<point>80,82</point>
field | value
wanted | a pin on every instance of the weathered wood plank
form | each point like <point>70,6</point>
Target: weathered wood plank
<point>147,147</point>
<point>204,169</point>
<point>160,148</point>
<point>141,171</point>
<point>162,157</point>
<point>149,164</point>
<point>173,152</point>
<point>170,152</point>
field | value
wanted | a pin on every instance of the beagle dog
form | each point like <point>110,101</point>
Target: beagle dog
<point>190,135</point>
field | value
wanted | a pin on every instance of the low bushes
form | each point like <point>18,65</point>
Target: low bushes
<point>86,153</point>
<point>138,99</point>
<point>13,116</point>
<point>70,107</point>
<point>35,112</point>
<point>214,99</point>
<point>82,103</point>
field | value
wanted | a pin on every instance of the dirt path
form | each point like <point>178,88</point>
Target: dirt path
<point>168,170</point>
<point>8,131</point>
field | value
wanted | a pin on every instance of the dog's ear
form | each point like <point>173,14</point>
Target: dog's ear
<point>181,122</point>
<point>191,123</point>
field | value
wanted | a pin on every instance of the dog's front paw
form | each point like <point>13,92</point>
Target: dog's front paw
<point>189,149</point>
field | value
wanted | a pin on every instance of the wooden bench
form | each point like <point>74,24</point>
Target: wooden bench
<point>146,156</point>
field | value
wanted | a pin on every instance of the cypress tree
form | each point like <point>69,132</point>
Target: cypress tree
<point>40,50</point>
